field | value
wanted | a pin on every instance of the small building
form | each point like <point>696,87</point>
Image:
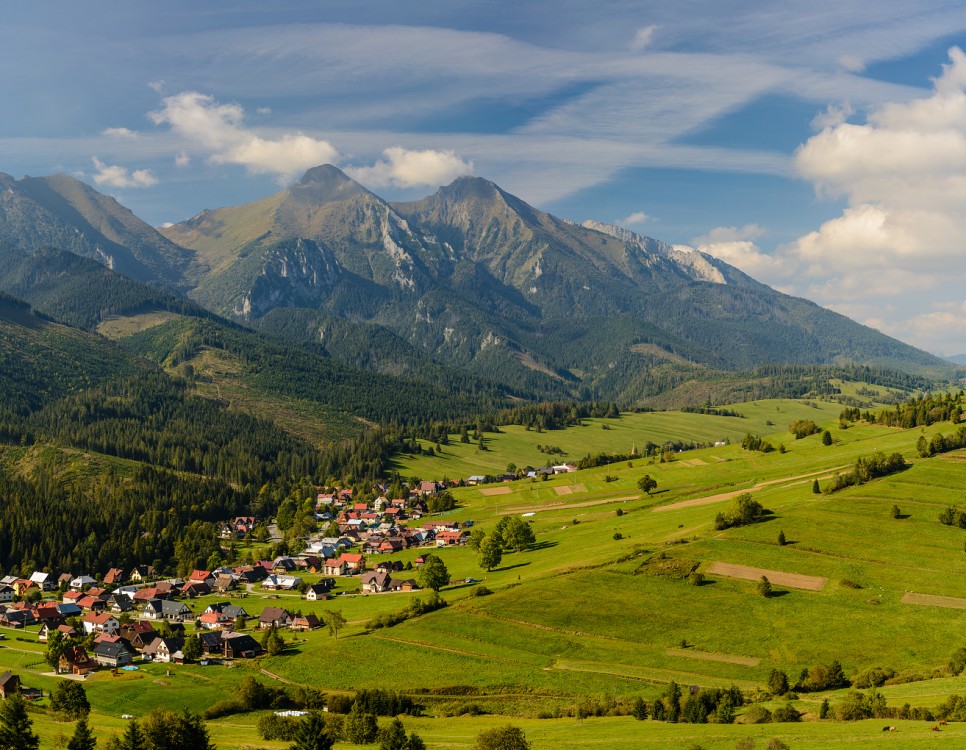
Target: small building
<point>111,654</point>
<point>75,660</point>
<point>9,684</point>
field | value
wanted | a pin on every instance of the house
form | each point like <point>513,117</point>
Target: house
<point>284,565</point>
<point>6,593</point>
<point>320,590</point>
<point>176,611</point>
<point>111,654</point>
<point>64,579</point>
<point>17,618</point>
<point>408,585</point>
<point>240,646</point>
<point>120,604</point>
<point>215,620</point>
<point>200,576</point>
<point>48,613</point>
<point>82,582</point>
<point>281,583</point>
<point>194,589</point>
<point>231,611</point>
<point>46,629</point>
<point>22,586</point>
<point>142,573</point>
<point>102,623</point>
<point>114,576</point>
<point>9,685</point>
<point>375,582</point>
<point>356,563</point>
<point>249,574</point>
<point>91,604</point>
<point>75,660</point>
<point>274,617</point>
<point>305,622</point>
<point>335,567</point>
<point>428,488</point>
<point>212,641</point>
<point>69,609</point>
<point>224,583</point>
<point>139,634</point>
<point>451,538</point>
<point>44,581</point>
<point>163,649</point>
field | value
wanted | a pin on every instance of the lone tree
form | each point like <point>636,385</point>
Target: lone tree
<point>895,512</point>
<point>782,541</point>
<point>15,725</point>
<point>433,575</point>
<point>502,738</point>
<point>70,699</point>
<point>192,648</point>
<point>646,483</point>
<point>815,488</point>
<point>491,553</point>
<point>334,620</point>
<point>826,438</point>
<point>764,587</point>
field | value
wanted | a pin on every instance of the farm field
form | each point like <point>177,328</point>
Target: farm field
<point>600,606</point>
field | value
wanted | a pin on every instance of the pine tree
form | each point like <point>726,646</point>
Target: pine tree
<point>826,438</point>
<point>82,739</point>
<point>815,488</point>
<point>310,734</point>
<point>393,737</point>
<point>15,725</point>
<point>133,738</point>
<point>781,539</point>
<point>640,709</point>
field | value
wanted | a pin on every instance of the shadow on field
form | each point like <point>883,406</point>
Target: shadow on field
<point>511,567</point>
<point>542,545</point>
<point>776,594</point>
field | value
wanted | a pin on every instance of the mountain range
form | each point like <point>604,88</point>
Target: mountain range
<point>468,280</point>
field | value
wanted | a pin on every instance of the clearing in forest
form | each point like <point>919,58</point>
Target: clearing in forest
<point>792,580</point>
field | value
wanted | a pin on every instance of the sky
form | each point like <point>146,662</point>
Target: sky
<point>818,146</point>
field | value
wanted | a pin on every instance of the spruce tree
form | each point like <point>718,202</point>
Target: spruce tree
<point>82,739</point>
<point>15,725</point>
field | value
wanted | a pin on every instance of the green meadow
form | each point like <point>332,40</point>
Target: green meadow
<point>598,609</point>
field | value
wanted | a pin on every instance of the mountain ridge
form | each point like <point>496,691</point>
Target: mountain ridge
<point>473,277</point>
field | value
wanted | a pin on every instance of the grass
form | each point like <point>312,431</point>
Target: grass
<point>579,616</point>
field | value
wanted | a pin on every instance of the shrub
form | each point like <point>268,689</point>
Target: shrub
<point>786,713</point>
<point>874,677</point>
<point>272,727</point>
<point>696,578</point>
<point>742,511</point>
<point>757,715</point>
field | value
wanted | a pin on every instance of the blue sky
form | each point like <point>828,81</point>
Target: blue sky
<point>819,146</point>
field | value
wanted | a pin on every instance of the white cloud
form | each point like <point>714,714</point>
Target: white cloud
<point>119,133</point>
<point>834,114</point>
<point>264,111</point>
<point>182,159</point>
<point>730,234</point>
<point>402,167</point>
<point>219,128</point>
<point>638,217</point>
<point>902,174</point>
<point>121,177</point>
<point>643,38</point>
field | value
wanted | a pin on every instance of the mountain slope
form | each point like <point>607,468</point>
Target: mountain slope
<point>474,277</point>
<point>63,212</point>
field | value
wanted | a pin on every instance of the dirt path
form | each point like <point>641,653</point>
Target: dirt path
<point>710,499</point>
<point>792,580</point>
<point>931,600</point>
<point>690,653</point>
<point>276,677</point>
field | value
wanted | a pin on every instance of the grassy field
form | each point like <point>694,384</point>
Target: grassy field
<point>587,613</point>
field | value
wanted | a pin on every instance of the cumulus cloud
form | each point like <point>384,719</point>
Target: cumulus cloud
<point>120,177</point>
<point>182,159</point>
<point>638,217</point>
<point>220,129</point>
<point>119,133</point>
<point>902,175</point>
<point>736,246</point>
<point>643,38</point>
<point>402,167</point>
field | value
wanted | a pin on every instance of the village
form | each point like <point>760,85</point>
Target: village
<point>122,617</point>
